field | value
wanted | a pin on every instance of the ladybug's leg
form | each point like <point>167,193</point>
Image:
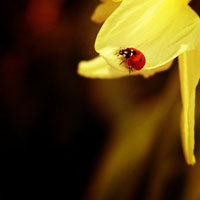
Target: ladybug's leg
<point>122,61</point>
<point>119,53</point>
<point>130,69</point>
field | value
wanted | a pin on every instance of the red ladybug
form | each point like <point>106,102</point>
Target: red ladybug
<point>134,57</point>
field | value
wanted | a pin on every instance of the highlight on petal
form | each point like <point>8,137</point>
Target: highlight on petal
<point>103,10</point>
<point>98,68</point>
<point>189,69</point>
<point>116,0</point>
<point>160,29</point>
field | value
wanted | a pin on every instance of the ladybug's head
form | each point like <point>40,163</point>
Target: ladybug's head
<point>125,52</point>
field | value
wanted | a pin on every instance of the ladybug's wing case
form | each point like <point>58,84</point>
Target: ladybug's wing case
<point>136,62</point>
<point>135,58</point>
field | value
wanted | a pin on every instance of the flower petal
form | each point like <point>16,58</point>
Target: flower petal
<point>98,68</point>
<point>186,1</point>
<point>161,29</point>
<point>103,10</point>
<point>189,69</point>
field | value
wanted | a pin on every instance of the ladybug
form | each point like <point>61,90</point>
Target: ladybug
<point>135,59</point>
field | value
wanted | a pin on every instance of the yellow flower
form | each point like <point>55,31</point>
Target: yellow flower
<point>162,30</point>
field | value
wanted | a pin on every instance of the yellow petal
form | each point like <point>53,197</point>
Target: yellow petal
<point>189,69</point>
<point>98,68</point>
<point>103,10</point>
<point>147,73</point>
<point>161,29</point>
<point>186,1</point>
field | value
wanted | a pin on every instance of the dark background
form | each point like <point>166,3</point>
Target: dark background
<point>49,134</point>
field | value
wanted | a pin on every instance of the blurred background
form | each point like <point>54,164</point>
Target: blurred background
<point>66,137</point>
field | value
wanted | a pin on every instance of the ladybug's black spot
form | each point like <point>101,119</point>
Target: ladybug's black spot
<point>141,60</point>
<point>134,52</point>
<point>133,63</point>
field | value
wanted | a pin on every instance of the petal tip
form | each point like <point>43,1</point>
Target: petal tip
<point>191,161</point>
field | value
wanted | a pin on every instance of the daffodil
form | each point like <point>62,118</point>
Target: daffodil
<point>162,30</point>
